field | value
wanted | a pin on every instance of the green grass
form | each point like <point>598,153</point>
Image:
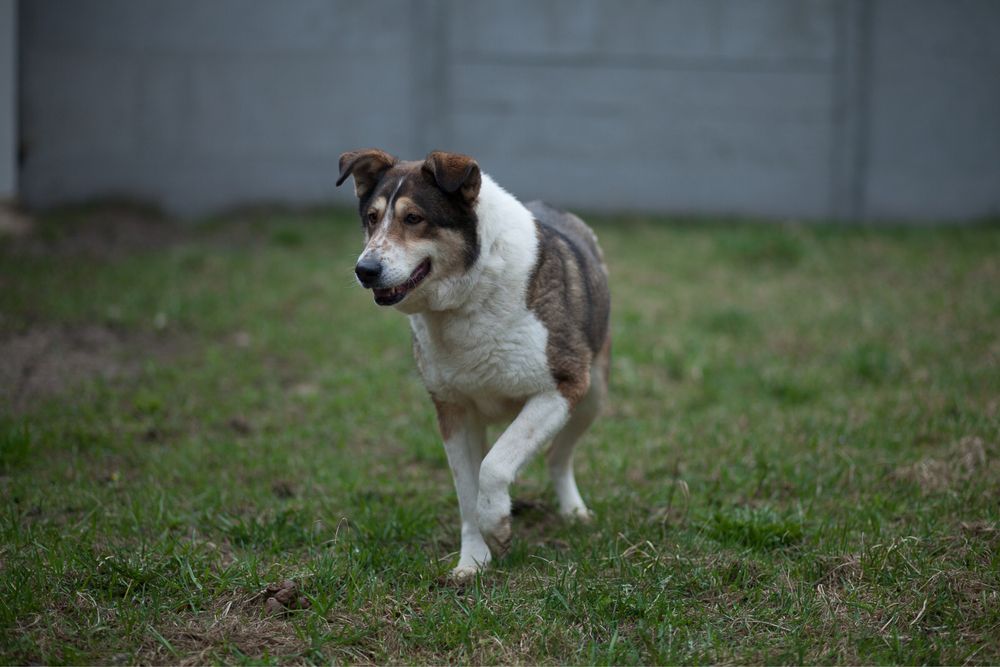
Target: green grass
<point>799,463</point>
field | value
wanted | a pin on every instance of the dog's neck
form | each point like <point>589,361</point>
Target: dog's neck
<point>508,246</point>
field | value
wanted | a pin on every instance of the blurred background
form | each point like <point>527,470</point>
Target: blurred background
<point>878,110</point>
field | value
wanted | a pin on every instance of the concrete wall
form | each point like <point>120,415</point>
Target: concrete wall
<point>934,109</point>
<point>8,106</point>
<point>806,108</point>
<point>205,104</point>
<point>652,105</point>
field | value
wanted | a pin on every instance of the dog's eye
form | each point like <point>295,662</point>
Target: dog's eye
<point>372,217</point>
<point>412,219</point>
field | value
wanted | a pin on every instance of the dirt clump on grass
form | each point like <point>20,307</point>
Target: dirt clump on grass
<point>281,598</point>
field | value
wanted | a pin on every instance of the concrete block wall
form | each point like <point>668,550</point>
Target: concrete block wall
<point>650,105</point>
<point>792,108</point>
<point>201,105</point>
<point>933,114</point>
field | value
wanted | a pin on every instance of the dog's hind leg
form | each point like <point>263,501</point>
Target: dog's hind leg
<point>560,454</point>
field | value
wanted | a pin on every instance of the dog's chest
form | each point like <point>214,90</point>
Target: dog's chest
<point>487,360</point>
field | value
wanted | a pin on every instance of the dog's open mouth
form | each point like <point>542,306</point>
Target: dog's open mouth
<point>393,295</point>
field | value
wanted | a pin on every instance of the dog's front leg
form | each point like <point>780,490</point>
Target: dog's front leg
<point>464,440</point>
<point>540,419</point>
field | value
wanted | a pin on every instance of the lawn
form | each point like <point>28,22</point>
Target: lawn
<point>799,462</point>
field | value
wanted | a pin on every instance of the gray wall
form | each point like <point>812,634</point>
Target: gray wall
<point>806,108</point>
<point>8,107</point>
<point>934,109</point>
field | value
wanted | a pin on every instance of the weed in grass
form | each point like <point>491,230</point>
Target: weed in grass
<point>756,528</point>
<point>872,363</point>
<point>287,238</point>
<point>271,533</point>
<point>730,321</point>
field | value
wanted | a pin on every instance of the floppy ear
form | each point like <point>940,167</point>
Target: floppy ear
<point>367,166</point>
<point>455,173</point>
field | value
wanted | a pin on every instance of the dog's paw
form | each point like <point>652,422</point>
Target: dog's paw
<point>493,514</point>
<point>475,558</point>
<point>463,574</point>
<point>580,515</point>
<point>498,536</point>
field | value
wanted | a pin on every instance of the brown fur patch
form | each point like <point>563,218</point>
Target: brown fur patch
<point>378,207</point>
<point>455,174</point>
<point>367,166</point>
<point>568,291</point>
<point>403,206</point>
<point>604,361</point>
<point>449,417</point>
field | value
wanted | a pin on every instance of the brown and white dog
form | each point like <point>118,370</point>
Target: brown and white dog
<point>509,308</point>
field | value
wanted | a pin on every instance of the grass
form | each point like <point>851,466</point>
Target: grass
<point>800,462</point>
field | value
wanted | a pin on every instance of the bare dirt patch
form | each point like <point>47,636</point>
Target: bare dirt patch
<point>43,360</point>
<point>112,229</point>
<point>46,361</point>
<point>105,231</point>
<point>239,623</point>
<point>195,639</point>
<point>13,223</point>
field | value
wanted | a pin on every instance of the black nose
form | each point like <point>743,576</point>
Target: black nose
<point>368,271</point>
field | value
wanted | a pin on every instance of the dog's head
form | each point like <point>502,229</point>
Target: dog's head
<point>419,222</point>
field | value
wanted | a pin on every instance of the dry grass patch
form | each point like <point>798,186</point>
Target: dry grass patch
<point>237,626</point>
<point>971,456</point>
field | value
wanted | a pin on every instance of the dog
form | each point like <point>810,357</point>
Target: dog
<point>509,308</point>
